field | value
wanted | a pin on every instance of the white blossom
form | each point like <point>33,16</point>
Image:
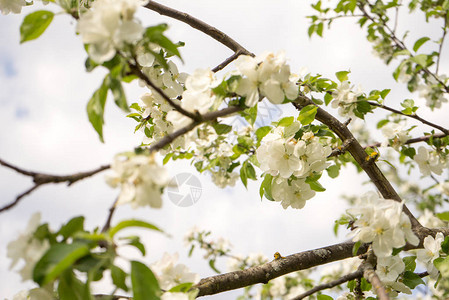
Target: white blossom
<point>140,178</point>
<point>108,25</point>
<point>428,162</point>
<point>389,268</point>
<point>428,219</point>
<point>294,193</point>
<point>27,248</point>
<point>382,223</point>
<point>444,187</point>
<point>265,75</point>
<point>345,98</point>
<point>431,251</point>
<point>396,133</point>
<point>11,6</point>
<point>174,296</point>
<point>170,274</point>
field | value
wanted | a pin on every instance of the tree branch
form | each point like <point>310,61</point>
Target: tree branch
<point>359,154</point>
<point>199,25</point>
<point>264,273</point>
<point>18,198</point>
<point>227,61</point>
<point>138,72</point>
<point>424,138</point>
<point>414,116</point>
<point>42,178</point>
<point>371,276</point>
<point>329,285</point>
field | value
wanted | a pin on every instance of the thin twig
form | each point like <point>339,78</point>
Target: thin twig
<point>401,44</point>
<point>227,61</point>
<point>18,198</point>
<point>424,138</point>
<point>441,45</point>
<point>199,25</point>
<point>329,285</point>
<point>205,117</point>
<point>414,116</point>
<point>138,72</point>
<point>17,169</point>
<point>107,225</point>
<point>42,178</point>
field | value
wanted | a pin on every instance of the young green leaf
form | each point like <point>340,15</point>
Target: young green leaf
<point>132,223</point>
<point>119,277</point>
<point>35,24</point>
<point>56,260</point>
<point>95,109</point>
<point>307,114</point>
<point>144,283</point>
<point>420,42</point>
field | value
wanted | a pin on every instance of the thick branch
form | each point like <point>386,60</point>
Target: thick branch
<point>329,285</point>
<point>199,25</point>
<point>359,154</point>
<point>264,273</point>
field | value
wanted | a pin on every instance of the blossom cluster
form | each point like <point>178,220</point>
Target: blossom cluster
<point>141,180</point>
<point>382,223</point>
<point>266,75</point>
<point>395,133</point>
<point>170,274</point>
<point>108,26</point>
<point>429,162</point>
<point>11,6</point>
<point>27,248</point>
<point>345,98</point>
<point>291,160</point>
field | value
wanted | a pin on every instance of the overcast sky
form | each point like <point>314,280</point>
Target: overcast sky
<point>44,90</point>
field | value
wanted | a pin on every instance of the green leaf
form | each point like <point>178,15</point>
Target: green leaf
<point>410,263</point>
<point>212,266</point>
<point>155,34</point>
<point>144,283</point>
<point>287,121</point>
<point>71,288</point>
<point>315,185</point>
<point>411,279</point>
<point>342,75</point>
<point>324,297</point>
<point>307,114</point>
<point>243,176</point>
<point>250,114</point>
<point>135,242</point>
<point>35,24</point>
<point>181,288</point>
<point>265,187</point>
<point>328,98</point>
<point>333,171</point>
<point>132,223</point>
<point>95,108</point>
<point>444,216</point>
<point>261,132</point>
<point>384,93</point>
<point>118,93</point>
<point>74,225</point>
<point>445,245</point>
<point>56,260</point>
<point>420,59</point>
<point>382,123</point>
<point>221,128</point>
<point>420,42</point>
<point>119,277</point>
<point>356,247</point>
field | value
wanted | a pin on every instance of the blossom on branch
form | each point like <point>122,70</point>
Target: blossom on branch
<point>11,6</point>
<point>108,25</point>
<point>27,248</point>
<point>140,178</point>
